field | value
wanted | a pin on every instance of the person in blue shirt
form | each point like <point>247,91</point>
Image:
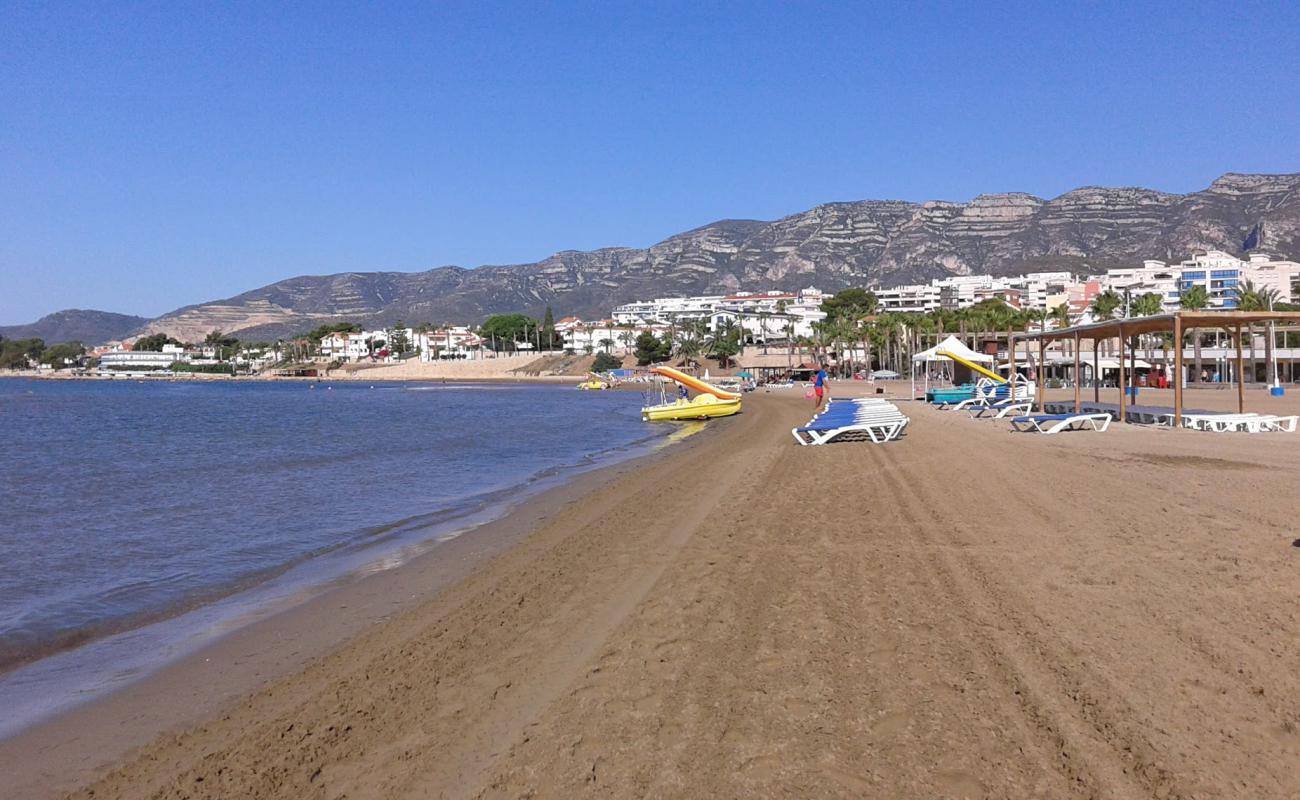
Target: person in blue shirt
<point>819,386</point>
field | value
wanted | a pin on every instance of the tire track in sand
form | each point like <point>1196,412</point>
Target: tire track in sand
<point>1080,753</point>
<point>1106,757</point>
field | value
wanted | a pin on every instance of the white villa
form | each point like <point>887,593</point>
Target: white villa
<point>449,342</point>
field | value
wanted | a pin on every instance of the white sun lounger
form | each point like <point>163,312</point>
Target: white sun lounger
<point>1055,423</point>
<point>1249,423</point>
<point>1001,409</point>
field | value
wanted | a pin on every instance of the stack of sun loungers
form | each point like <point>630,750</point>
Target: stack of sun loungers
<point>985,392</point>
<point>1002,394</point>
<point>1197,419</point>
<point>874,420</point>
<point>1228,423</point>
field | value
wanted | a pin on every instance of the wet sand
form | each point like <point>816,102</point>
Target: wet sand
<point>963,613</point>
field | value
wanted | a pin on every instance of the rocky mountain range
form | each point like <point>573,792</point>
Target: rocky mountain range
<point>832,246</point>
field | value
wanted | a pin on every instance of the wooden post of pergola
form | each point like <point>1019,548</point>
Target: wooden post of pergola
<point>1178,372</point>
<point>1011,371</point>
<point>1123,389</point>
<point>1042,371</point>
<point>1133,364</point>
<point>1077,402</point>
<point>1241,378</point>
<point>1096,372</point>
<point>1011,362</point>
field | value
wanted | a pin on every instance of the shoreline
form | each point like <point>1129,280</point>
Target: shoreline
<point>183,689</point>
<point>78,668</point>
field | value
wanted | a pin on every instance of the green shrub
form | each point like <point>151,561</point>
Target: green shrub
<point>605,362</point>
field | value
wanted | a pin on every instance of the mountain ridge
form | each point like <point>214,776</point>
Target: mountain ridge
<point>832,245</point>
<point>84,325</point>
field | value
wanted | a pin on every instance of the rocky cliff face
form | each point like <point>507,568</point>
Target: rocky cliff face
<point>832,246</point>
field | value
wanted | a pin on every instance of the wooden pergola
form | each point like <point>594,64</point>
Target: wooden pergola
<point>1178,323</point>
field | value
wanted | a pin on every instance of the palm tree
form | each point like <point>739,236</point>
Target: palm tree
<point>805,343</point>
<point>1105,305</point>
<point>1268,300</point>
<point>607,344</point>
<point>725,342</point>
<point>1147,305</point>
<point>627,338</point>
<point>1247,298</point>
<point>689,339</point>
<point>879,335</point>
<point>819,337</point>
<point>848,331</point>
<point>1061,315</point>
<point>923,326</point>
<point>1196,298</point>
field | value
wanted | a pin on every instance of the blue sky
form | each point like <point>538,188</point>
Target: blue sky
<point>154,155</point>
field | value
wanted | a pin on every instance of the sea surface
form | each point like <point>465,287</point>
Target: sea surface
<point>123,504</point>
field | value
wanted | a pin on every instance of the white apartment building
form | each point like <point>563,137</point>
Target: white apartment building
<point>1221,274</point>
<point>912,299</point>
<point>142,360</point>
<point>1037,290</point>
<point>666,309</point>
<point>1152,277</point>
<point>603,335</point>
<point>1267,272</point>
<point>1042,290</point>
<point>763,315</point>
<point>770,316</point>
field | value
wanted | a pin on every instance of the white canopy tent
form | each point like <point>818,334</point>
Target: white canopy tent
<point>950,345</point>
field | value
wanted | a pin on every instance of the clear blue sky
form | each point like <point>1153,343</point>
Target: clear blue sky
<point>158,154</point>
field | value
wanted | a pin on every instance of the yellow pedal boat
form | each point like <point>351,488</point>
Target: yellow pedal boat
<point>703,406</point>
<point>711,402</point>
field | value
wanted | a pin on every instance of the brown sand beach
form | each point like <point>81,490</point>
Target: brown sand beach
<point>963,613</point>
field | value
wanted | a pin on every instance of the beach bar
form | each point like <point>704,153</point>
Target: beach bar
<point>1178,323</point>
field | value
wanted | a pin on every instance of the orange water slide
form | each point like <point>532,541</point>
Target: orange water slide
<point>694,383</point>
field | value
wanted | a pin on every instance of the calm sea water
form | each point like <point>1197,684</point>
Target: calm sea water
<point>122,503</point>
